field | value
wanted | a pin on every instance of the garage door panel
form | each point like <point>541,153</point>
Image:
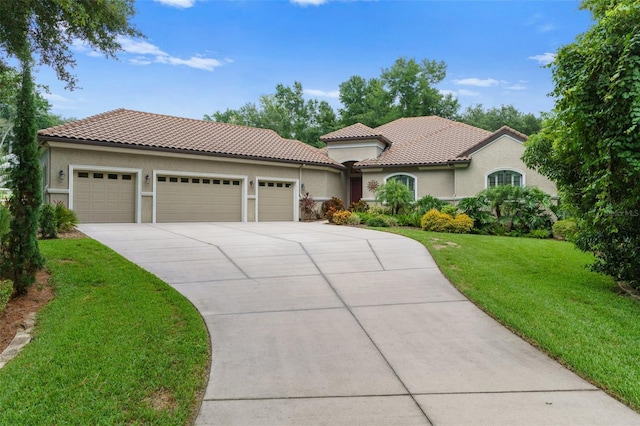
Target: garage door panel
<point>101,197</point>
<point>275,201</point>
<point>196,199</point>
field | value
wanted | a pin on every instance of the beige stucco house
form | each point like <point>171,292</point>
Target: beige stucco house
<point>433,156</point>
<point>131,166</point>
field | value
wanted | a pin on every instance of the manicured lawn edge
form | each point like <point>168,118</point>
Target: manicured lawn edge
<point>543,291</point>
<point>116,346</point>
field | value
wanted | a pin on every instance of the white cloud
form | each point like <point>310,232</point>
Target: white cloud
<point>334,94</point>
<point>147,53</point>
<point>140,47</point>
<point>180,4</point>
<point>545,59</point>
<point>458,93</point>
<point>207,64</point>
<point>465,92</point>
<point>478,82</point>
<point>517,86</point>
<point>309,2</point>
<point>545,28</point>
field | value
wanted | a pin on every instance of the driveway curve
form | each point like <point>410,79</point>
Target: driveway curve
<point>315,324</point>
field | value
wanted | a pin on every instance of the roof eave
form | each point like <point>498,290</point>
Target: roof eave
<point>405,165</point>
<point>381,138</point>
<point>44,138</point>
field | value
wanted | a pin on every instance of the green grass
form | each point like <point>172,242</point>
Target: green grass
<point>543,291</point>
<point>116,346</point>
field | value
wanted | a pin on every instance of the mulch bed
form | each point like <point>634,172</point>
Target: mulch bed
<point>12,319</point>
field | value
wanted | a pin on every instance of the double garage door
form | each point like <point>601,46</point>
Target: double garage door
<point>197,199</point>
<point>111,197</point>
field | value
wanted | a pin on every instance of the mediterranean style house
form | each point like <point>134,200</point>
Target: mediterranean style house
<point>131,166</point>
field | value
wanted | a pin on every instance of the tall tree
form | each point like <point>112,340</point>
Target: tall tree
<point>406,89</point>
<point>507,115</point>
<point>287,113</point>
<point>366,102</point>
<point>590,144</point>
<point>45,30</point>
<point>21,255</point>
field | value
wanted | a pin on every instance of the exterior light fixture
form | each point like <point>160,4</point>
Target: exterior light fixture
<point>302,187</point>
<point>61,175</point>
<point>251,183</point>
<point>146,179</point>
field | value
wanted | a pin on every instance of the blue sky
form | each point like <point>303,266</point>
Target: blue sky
<point>201,56</point>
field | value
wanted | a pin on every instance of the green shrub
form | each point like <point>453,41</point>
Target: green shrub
<point>340,217</point>
<point>48,223</point>
<point>538,233</point>
<point>377,221</point>
<point>409,219</point>
<point>6,288</point>
<point>359,206</point>
<point>461,224</point>
<point>5,220</point>
<point>429,202</point>
<point>65,218</point>
<point>477,208</point>
<point>354,219</point>
<point>390,221</point>
<point>565,229</point>
<point>449,209</point>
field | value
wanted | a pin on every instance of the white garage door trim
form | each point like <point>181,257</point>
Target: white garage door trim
<point>198,174</point>
<point>137,172</point>
<point>294,201</point>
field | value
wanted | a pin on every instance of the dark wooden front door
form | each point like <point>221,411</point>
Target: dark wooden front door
<point>356,188</point>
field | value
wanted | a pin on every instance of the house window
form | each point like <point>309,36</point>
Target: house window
<point>409,181</point>
<point>504,177</point>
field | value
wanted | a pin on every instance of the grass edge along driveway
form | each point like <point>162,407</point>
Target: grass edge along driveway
<point>544,292</point>
<point>116,346</point>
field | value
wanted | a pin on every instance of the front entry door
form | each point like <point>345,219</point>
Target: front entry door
<point>356,189</point>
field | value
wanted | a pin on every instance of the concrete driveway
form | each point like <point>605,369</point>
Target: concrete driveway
<point>318,324</point>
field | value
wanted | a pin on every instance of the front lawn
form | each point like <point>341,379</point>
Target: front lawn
<point>116,346</point>
<point>542,290</point>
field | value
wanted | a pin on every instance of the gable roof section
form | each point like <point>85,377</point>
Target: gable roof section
<point>135,129</point>
<point>429,140</point>
<point>357,131</point>
<point>504,130</point>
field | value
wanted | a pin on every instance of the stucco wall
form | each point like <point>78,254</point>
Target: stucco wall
<point>322,182</point>
<point>435,182</point>
<point>502,154</point>
<point>343,152</point>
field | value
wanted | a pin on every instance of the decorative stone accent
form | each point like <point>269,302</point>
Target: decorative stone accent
<point>19,341</point>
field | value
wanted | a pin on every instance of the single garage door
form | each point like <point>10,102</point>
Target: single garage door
<point>104,196</point>
<point>275,201</point>
<point>198,199</point>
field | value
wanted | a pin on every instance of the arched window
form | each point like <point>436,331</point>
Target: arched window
<point>504,177</point>
<point>409,181</point>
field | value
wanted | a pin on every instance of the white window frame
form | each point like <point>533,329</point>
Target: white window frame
<point>415,182</point>
<point>504,169</point>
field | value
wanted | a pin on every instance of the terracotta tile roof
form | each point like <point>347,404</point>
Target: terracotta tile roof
<point>124,127</point>
<point>425,141</point>
<point>355,131</point>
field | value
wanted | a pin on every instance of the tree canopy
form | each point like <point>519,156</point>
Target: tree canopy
<point>590,143</point>
<point>406,89</point>
<point>286,112</point>
<point>507,115</point>
<point>46,29</point>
